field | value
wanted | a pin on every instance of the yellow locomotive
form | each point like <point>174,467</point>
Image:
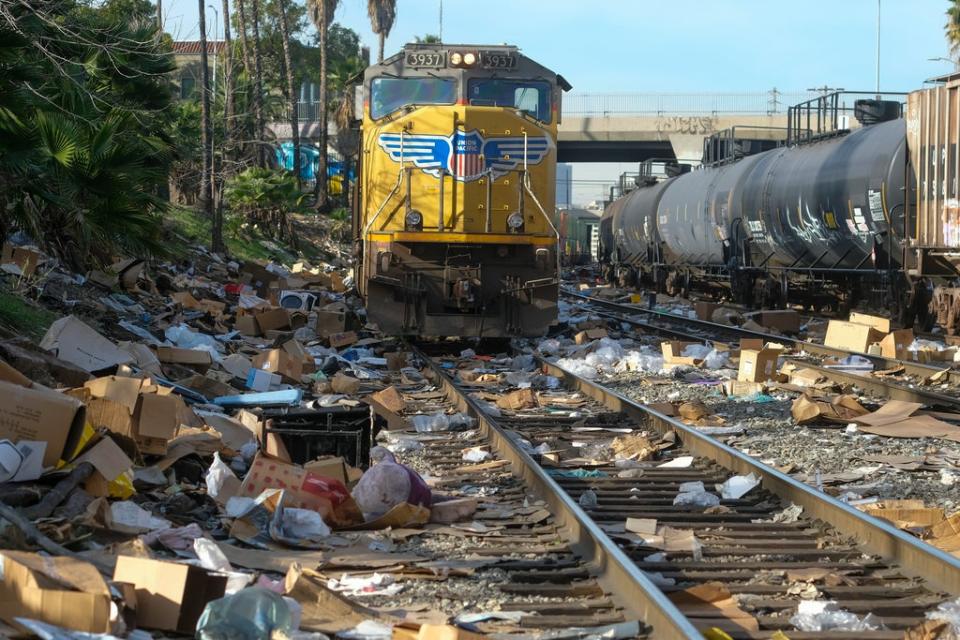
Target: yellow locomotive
<point>455,182</point>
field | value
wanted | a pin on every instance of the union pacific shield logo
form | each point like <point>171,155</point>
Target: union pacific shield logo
<point>465,155</point>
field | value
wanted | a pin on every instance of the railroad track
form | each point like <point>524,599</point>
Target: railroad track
<point>910,387</point>
<point>865,565</point>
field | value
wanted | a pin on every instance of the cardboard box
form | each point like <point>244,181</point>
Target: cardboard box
<point>751,343</point>
<point>299,353</point>
<point>304,489</point>
<point>26,259</point>
<point>704,310</point>
<point>344,339</point>
<point>785,320</point>
<point>758,366</point>
<point>330,322</point>
<point>38,414</point>
<point>247,325</point>
<point>273,319</point>
<point>590,335</point>
<point>72,340</point>
<point>396,360</point>
<point>58,590</point>
<point>135,408</point>
<point>329,468</point>
<point>260,380</point>
<point>673,353</point>
<point>742,388</point>
<point>851,336</point>
<point>193,358</point>
<point>896,342</point>
<point>170,596</point>
<point>878,323</point>
<point>280,362</point>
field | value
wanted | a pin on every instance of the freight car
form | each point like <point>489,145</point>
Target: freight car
<point>821,220</point>
<point>456,179</point>
<point>579,236</point>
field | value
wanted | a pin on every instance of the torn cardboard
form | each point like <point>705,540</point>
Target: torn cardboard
<point>72,340</point>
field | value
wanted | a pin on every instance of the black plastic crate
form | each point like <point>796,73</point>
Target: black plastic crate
<point>327,431</point>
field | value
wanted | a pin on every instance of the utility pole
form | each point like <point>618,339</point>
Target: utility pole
<point>441,21</point>
<point>825,90</point>
<point>878,49</point>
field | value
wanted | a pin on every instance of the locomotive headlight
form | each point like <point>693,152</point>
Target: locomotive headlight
<point>515,221</point>
<point>414,220</point>
<point>469,59</point>
<point>456,58</point>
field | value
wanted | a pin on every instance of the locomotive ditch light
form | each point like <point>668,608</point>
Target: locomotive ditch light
<point>413,221</point>
<point>515,222</point>
<point>463,59</point>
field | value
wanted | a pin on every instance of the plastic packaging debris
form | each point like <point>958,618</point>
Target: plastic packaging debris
<point>378,584</point>
<point>825,615</point>
<point>588,499</point>
<point>851,363</point>
<point>368,630</point>
<point>287,397</point>
<point>680,462</point>
<point>788,515</point>
<point>176,539</point>
<point>549,346</point>
<point>213,559</point>
<point>427,423</point>
<point>218,475</point>
<point>948,612</point>
<point>476,454</point>
<point>737,486</point>
<point>186,338</point>
<point>129,517</point>
<point>577,473</point>
<point>386,484</point>
<point>468,353</point>
<point>694,494</point>
<point>249,614</point>
<point>300,524</point>
<point>46,631</point>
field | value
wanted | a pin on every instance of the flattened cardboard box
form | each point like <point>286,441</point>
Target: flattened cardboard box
<point>59,590</point>
<point>673,353</point>
<point>72,340</point>
<point>589,335</point>
<point>193,358</point>
<point>41,414</point>
<point>170,596</point>
<point>783,319</point>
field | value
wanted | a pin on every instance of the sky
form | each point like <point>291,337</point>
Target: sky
<point>625,46</point>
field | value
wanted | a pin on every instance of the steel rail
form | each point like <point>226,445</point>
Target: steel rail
<point>628,585</point>
<point>915,558</point>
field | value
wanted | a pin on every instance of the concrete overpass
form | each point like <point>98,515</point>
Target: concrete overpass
<point>633,127</point>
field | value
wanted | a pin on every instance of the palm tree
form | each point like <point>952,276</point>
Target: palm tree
<point>953,26</point>
<point>206,136</point>
<point>321,13</point>
<point>382,14</point>
<point>291,93</point>
<point>261,124</point>
<point>242,23</point>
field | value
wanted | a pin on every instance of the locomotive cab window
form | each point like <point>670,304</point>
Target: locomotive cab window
<point>389,94</point>
<point>530,96</point>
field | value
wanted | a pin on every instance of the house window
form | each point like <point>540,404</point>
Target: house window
<point>188,87</point>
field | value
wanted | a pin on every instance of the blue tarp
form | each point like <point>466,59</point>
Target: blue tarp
<point>309,159</point>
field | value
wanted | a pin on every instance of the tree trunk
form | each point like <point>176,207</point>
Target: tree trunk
<point>321,188</point>
<point>291,85</point>
<point>242,18</point>
<point>260,125</point>
<point>160,16</point>
<point>228,107</point>
<point>206,132</point>
<point>383,40</point>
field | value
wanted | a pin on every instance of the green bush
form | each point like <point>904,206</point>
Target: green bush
<point>265,198</point>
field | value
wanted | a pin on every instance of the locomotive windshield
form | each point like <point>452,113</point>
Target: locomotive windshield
<point>389,94</point>
<point>531,96</point>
